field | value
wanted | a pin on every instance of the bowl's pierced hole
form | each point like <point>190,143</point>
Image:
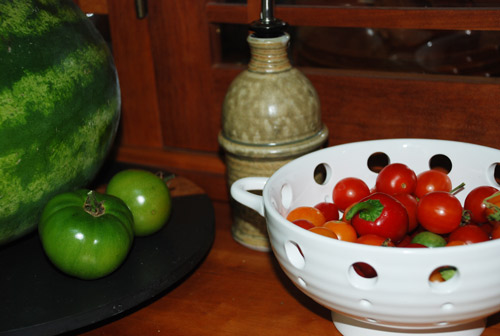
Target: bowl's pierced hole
<point>362,275</point>
<point>441,162</point>
<point>444,279</point>
<point>286,195</point>
<point>295,255</point>
<point>322,173</point>
<point>496,173</point>
<point>377,161</point>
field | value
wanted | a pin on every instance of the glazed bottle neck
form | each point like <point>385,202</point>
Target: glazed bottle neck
<point>269,55</point>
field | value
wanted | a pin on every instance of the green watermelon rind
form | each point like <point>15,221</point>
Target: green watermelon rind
<point>59,107</point>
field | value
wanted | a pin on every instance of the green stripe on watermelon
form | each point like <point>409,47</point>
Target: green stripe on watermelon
<point>38,46</point>
<point>19,17</point>
<point>61,82</point>
<point>58,113</point>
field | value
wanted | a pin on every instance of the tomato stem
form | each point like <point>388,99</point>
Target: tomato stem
<point>491,203</point>
<point>92,206</point>
<point>368,210</point>
<point>457,188</point>
<point>386,242</point>
<point>466,218</point>
<point>164,177</point>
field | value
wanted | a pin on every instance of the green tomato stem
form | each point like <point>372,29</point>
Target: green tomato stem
<point>92,206</point>
<point>164,177</point>
<point>386,242</point>
<point>369,210</point>
<point>466,218</point>
<point>457,188</point>
<point>490,203</point>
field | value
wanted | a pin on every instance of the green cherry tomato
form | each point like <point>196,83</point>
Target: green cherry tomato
<point>86,234</point>
<point>429,239</point>
<point>147,197</point>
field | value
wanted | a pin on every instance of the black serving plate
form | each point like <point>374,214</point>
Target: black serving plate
<point>37,299</point>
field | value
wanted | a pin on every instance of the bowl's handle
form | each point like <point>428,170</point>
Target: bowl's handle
<point>240,192</point>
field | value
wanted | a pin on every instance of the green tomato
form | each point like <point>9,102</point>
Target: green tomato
<point>86,234</point>
<point>147,197</point>
<point>429,239</point>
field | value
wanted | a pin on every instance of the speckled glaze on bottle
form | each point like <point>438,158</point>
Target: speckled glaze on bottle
<point>270,116</point>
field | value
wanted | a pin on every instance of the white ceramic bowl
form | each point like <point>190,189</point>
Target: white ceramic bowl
<point>400,300</point>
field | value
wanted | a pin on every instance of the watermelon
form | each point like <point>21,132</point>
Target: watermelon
<point>59,107</point>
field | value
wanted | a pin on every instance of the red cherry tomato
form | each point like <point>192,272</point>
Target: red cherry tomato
<point>439,212</point>
<point>396,178</point>
<point>405,241</point>
<point>432,180</point>
<point>380,214</point>
<point>469,234</point>
<point>495,234</point>
<point>475,205</point>
<point>410,203</point>
<point>487,228</point>
<point>329,210</point>
<point>349,190</point>
<point>303,223</point>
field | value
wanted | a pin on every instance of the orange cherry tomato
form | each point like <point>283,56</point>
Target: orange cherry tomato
<point>343,230</point>
<point>311,214</point>
<point>436,276</point>
<point>372,239</point>
<point>323,231</point>
<point>456,243</point>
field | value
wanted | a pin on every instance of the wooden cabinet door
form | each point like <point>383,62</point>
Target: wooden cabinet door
<point>174,79</point>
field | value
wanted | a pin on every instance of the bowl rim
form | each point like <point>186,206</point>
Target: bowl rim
<point>272,212</point>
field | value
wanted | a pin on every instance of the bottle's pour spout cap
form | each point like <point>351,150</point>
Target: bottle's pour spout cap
<point>268,26</point>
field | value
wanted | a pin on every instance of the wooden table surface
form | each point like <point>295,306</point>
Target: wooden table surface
<point>235,291</point>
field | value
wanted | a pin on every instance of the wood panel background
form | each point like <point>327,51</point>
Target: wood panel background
<point>173,85</point>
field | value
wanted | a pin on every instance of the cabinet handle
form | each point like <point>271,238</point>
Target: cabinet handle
<point>141,8</point>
